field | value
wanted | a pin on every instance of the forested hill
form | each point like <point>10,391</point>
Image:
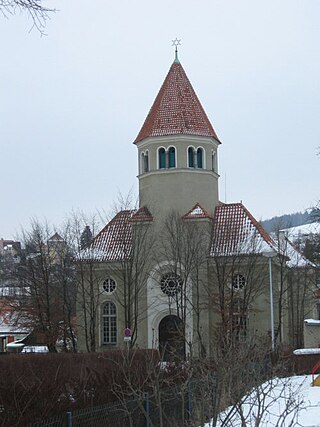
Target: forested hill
<point>287,220</point>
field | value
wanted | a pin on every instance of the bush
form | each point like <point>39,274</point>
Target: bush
<point>34,386</point>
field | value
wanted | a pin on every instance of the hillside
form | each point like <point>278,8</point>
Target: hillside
<point>287,221</point>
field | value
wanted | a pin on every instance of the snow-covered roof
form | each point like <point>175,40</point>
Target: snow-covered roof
<point>312,322</point>
<point>295,257</point>
<point>303,351</point>
<point>176,109</point>
<point>114,242</point>
<point>237,232</point>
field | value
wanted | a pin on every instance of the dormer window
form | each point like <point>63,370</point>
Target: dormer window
<point>200,158</point>
<point>162,158</point>
<point>191,157</point>
<point>172,157</point>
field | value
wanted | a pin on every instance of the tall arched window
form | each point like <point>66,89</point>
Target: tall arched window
<point>213,158</point>
<point>172,157</point>
<point>109,323</point>
<point>191,157</point>
<point>239,320</point>
<point>200,158</point>
<point>162,158</point>
<point>146,162</point>
<point>142,163</point>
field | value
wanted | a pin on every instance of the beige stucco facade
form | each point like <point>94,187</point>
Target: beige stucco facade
<point>172,274</point>
<point>180,187</point>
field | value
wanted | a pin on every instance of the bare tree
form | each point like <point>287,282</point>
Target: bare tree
<point>132,268</point>
<point>88,294</point>
<point>237,283</point>
<point>36,9</point>
<point>184,245</point>
<point>46,275</point>
<point>296,287</point>
<point>275,401</point>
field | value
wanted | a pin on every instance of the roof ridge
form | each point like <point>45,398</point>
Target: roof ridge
<point>260,228</point>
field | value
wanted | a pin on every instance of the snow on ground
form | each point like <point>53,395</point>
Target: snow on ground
<point>303,230</point>
<point>280,402</point>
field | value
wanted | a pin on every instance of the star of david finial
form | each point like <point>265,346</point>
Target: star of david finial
<point>176,43</point>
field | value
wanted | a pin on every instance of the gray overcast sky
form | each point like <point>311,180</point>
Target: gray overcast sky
<point>72,102</point>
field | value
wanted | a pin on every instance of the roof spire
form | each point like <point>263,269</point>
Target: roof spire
<point>176,43</point>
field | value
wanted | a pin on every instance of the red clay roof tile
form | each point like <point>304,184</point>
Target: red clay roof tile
<point>237,232</point>
<point>176,109</point>
<point>142,214</point>
<point>114,242</point>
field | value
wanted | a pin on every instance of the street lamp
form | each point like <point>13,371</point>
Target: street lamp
<point>271,254</point>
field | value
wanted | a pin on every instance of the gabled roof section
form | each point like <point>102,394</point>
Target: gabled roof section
<point>196,212</point>
<point>56,238</point>
<point>236,232</point>
<point>176,109</point>
<point>114,242</point>
<point>288,249</point>
<point>142,215</point>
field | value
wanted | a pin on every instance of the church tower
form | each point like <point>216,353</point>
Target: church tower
<point>177,150</point>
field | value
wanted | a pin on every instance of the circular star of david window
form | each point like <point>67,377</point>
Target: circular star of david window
<point>109,285</point>
<point>238,282</point>
<point>170,284</point>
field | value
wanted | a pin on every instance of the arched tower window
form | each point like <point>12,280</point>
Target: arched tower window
<point>142,163</point>
<point>109,323</point>
<point>200,158</point>
<point>172,157</point>
<point>162,158</point>
<point>146,162</point>
<point>191,157</point>
<point>213,159</point>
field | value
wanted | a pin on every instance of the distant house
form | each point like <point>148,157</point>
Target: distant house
<point>10,248</point>
<point>10,328</point>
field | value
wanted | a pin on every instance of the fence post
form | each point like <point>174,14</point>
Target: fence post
<point>147,408</point>
<point>69,419</point>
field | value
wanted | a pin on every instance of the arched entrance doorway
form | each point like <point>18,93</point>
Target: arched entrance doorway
<point>171,338</point>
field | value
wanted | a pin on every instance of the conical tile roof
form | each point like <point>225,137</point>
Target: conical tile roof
<point>176,109</point>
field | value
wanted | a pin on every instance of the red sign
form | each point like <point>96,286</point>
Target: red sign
<point>127,332</point>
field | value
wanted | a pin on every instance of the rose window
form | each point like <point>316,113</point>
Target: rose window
<point>109,285</point>
<point>171,284</point>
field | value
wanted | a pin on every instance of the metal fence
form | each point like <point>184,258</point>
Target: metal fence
<point>186,404</point>
<point>174,406</point>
